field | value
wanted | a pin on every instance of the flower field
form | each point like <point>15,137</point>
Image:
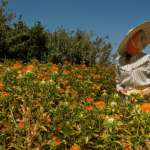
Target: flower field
<point>67,107</point>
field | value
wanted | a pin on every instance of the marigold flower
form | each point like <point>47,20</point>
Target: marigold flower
<point>67,91</point>
<point>16,101</point>
<point>79,76</point>
<point>62,90</point>
<point>75,147</point>
<point>47,120</point>
<point>101,115</point>
<point>104,91</point>
<point>68,72</point>
<point>68,87</point>
<point>95,85</point>
<point>65,82</point>
<point>99,103</point>
<point>56,141</point>
<point>46,73</point>
<point>57,128</point>
<point>89,99</point>
<point>40,75</point>
<point>75,103</point>
<point>6,94</point>
<point>30,67</point>
<point>89,108</point>
<point>4,129</point>
<point>54,68</point>
<point>25,69</point>
<point>21,124</point>
<point>75,95</point>
<point>5,125</point>
<point>39,99</point>
<point>19,72</point>
<point>17,66</point>
<point>146,107</point>
<point>117,117</point>
<point>126,148</point>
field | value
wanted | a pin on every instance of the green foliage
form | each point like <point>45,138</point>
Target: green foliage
<point>63,47</point>
<point>23,44</point>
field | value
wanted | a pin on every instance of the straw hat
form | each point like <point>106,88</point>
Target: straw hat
<point>144,26</point>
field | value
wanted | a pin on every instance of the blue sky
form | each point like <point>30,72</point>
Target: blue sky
<point>103,17</point>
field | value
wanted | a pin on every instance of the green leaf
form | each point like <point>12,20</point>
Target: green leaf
<point>100,146</point>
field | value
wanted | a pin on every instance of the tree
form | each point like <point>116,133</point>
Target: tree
<point>4,28</point>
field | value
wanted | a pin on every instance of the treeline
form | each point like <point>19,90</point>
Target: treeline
<point>23,44</point>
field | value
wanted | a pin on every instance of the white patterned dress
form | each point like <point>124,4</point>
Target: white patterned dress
<point>136,73</point>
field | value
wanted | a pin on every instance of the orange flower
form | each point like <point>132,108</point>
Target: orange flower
<point>16,101</point>
<point>68,72</point>
<point>74,103</point>
<point>80,76</point>
<point>54,68</point>
<point>30,67</point>
<point>75,95</point>
<point>19,72</point>
<point>68,87</point>
<point>56,141</point>
<point>17,66</point>
<point>67,91</point>
<point>117,117</point>
<point>89,108</point>
<point>76,68</point>
<point>4,129</point>
<point>21,124</point>
<point>57,128</point>
<point>83,66</point>
<point>62,91</point>
<point>126,148</point>
<point>75,147</point>
<point>146,107</point>
<point>99,104</point>
<point>89,99</point>
<point>25,69</point>
<point>101,115</point>
<point>47,120</point>
<point>65,82</point>
<point>141,92</point>
<point>40,75</point>
<point>39,99</point>
<point>5,125</point>
<point>46,73</point>
<point>94,85</point>
<point>104,91</point>
<point>6,94</point>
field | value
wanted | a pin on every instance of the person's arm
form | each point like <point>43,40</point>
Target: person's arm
<point>117,77</point>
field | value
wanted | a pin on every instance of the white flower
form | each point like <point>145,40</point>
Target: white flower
<point>113,103</point>
<point>111,120</point>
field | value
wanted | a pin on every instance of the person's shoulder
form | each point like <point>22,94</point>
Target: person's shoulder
<point>145,55</point>
<point>117,58</point>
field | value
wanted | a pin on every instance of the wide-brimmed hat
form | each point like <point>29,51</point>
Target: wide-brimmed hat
<point>144,26</point>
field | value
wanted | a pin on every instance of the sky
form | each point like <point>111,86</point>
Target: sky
<point>103,17</point>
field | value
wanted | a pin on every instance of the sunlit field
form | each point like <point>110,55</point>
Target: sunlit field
<point>67,107</point>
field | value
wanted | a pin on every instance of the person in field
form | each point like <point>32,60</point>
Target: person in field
<point>132,68</point>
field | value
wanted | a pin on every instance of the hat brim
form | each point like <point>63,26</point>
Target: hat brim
<point>144,26</point>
